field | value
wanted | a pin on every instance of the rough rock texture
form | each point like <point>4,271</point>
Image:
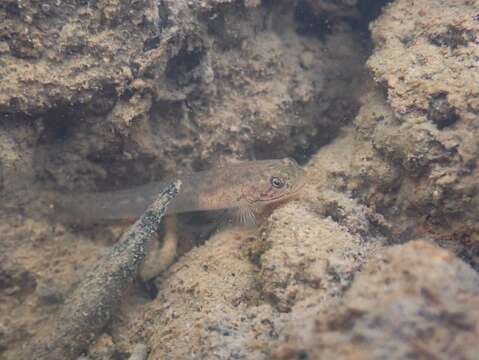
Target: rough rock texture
<point>417,150</point>
<point>101,94</point>
<point>231,297</point>
<point>133,92</point>
<point>411,301</point>
<point>64,53</point>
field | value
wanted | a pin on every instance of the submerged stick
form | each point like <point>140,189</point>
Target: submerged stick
<point>98,296</point>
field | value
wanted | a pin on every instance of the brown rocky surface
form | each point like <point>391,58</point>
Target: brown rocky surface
<point>104,94</point>
<point>232,296</point>
<point>410,301</point>
<point>417,151</point>
<point>179,86</point>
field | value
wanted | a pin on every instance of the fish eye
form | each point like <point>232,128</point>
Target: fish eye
<point>276,182</point>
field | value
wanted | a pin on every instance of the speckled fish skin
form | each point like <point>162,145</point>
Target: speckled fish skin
<point>243,185</point>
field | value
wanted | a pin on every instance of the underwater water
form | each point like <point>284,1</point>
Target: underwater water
<point>251,179</point>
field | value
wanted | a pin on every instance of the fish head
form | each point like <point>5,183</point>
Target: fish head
<point>274,181</point>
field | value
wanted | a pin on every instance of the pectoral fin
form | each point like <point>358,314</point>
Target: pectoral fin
<point>241,216</point>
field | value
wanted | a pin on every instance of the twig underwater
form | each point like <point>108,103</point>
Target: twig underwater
<point>94,302</point>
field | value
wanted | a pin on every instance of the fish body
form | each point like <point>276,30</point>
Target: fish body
<point>245,187</point>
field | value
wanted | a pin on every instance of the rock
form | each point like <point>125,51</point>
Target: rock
<point>307,257</point>
<point>410,300</point>
<point>234,295</point>
<point>417,146</point>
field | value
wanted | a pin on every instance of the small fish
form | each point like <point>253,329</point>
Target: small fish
<point>244,189</point>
